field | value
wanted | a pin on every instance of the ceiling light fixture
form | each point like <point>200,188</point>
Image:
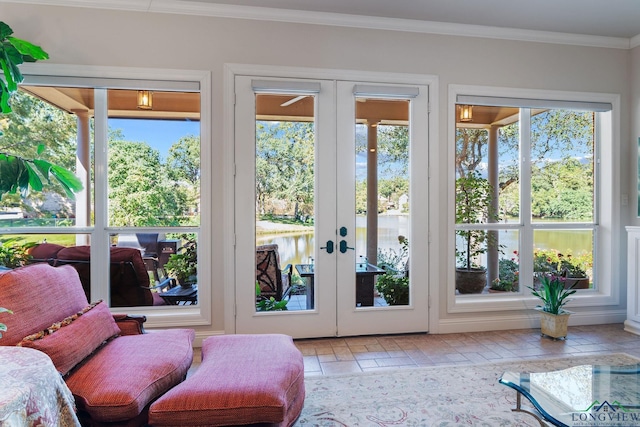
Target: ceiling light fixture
<point>145,99</point>
<point>466,113</point>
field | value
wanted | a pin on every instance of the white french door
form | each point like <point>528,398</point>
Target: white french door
<point>333,175</point>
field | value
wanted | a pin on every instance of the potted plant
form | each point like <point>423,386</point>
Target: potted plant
<point>269,304</point>
<point>20,174</point>
<point>574,272</point>
<point>183,265</point>
<point>554,319</point>
<point>394,288</point>
<point>13,254</point>
<point>393,285</point>
<point>474,196</point>
<point>508,276</point>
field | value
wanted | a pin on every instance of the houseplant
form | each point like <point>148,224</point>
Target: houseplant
<point>17,173</point>
<point>393,286</point>
<point>183,265</point>
<point>12,253</point>
<point>573,268</point>
<point>552,292</point>
<point>269,304</point>
<point>576,275</point>
<point>474,196</point>
<point>508,276</point>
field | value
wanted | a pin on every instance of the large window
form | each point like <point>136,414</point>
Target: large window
<point>527,194</point>
<point>133,231</point>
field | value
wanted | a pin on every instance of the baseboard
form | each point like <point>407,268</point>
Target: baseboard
<point>525,321</point>
<point>632,326</point>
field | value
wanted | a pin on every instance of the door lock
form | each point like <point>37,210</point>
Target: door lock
<point>329,247</point>
<point>344,247</point>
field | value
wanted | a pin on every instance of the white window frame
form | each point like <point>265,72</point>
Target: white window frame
<point>161,316</point>
<point>607,216</point>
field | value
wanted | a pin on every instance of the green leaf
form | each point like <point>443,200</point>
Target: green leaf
<point>40,149</point>
<point>67,178</point>
<point>5,63</point>
<point>5,30</point>
<point>4,98</point>
<point>28,48</point>
<point>34,180</point>
<point>43,167</point>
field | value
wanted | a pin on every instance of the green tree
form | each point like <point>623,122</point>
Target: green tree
<point>393,149</point>
<point>37,130</point>
<point>560,135</point>
<point>285,165</point>
<point>140,193</point>
<point>183,160</point>
<point>563,189</point>
<point>392,188</point>
<point>471,149</point>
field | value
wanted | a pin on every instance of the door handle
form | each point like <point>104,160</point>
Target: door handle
<point>329,247</point>
<point>344,247</point>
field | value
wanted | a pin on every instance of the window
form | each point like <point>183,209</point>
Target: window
<point>140,167</point>
<point>528,174</point>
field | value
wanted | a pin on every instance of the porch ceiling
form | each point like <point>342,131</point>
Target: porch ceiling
<point>186,105</point>
<point>122,103</point>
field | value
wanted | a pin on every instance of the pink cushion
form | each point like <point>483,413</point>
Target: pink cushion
<point>70,341</point>
<point>243,379</point>
<point>120,379</point>
<point>39,295</point>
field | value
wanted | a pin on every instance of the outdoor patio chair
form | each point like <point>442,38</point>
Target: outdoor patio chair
<point>273,281</point>
<point>130,284</point>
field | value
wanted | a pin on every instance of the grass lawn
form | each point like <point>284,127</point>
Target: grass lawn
<point>60,239</point>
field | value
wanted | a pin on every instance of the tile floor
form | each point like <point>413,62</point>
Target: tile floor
<point>328,356</point>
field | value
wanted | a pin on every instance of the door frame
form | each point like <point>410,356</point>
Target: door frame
<point>227,196</point>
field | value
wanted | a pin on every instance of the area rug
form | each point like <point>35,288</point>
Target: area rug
<point>428,397</point>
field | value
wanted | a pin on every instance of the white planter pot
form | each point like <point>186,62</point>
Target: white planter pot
<point>554,325</point>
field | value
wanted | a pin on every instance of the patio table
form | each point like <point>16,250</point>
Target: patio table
<point>364,283</point>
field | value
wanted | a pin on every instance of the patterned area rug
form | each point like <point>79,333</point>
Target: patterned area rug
<point>432,396</point>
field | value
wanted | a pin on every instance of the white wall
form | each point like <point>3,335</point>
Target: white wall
<point>153,40</point>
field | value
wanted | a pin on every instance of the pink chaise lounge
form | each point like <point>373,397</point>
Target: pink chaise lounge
<point>114,370</point>
<point>117,372</point>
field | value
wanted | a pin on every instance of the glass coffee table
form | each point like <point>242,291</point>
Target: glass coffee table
<point>587,395</point>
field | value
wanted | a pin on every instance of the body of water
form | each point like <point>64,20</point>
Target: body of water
<point>297,248</point>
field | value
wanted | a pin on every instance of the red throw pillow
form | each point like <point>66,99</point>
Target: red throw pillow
<point>71,340</point>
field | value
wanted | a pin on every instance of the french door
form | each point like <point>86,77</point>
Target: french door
<point>330,207</point>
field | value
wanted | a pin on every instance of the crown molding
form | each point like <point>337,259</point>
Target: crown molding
<point>342,20</point>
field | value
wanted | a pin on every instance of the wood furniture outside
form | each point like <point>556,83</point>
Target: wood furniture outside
<point>365,283</point>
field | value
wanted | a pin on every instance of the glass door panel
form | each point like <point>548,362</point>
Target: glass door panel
<point>382,202</point>
<point>285,196</point>
<point>285,207</point>
<point>382,152</point>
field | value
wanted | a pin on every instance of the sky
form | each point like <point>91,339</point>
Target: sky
<point>159,134</point>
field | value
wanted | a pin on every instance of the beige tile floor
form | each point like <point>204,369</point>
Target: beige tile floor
<point>328,356</point>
